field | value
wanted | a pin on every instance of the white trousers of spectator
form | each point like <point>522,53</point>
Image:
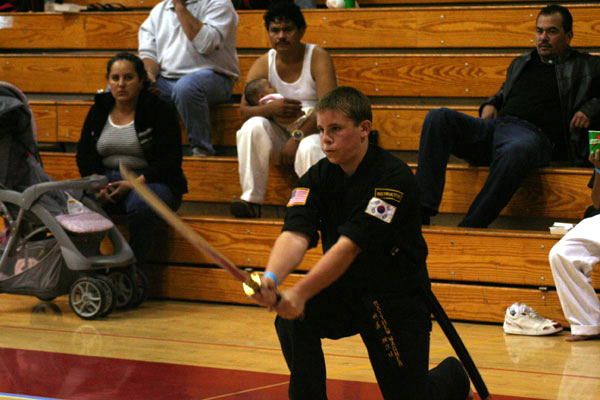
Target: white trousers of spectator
<point>572,260</point>
<point>259,142</point>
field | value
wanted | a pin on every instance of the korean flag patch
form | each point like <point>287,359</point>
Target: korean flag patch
<point>380,209</point>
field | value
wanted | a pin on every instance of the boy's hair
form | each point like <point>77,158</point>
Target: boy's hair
<point>252,91</point>
<point>567,18</point>
<point>348,100</point>
<point>285,10</point>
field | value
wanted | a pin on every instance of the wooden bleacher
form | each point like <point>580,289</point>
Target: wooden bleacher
<point>147,4</point>
<point>408,59</point>
<point>552,192</point>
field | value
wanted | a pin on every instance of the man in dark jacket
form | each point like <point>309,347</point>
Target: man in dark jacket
<point>540,114</point>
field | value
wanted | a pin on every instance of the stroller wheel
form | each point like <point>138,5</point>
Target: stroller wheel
<point>141,288</point>
<point>87,297</point>
<point>111,295</point>
<point>124,288</point>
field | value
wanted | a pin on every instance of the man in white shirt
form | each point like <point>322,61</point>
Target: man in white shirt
<point>302,74</point>
<point>189,51</point>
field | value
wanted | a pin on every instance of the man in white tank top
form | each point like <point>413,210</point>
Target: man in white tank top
<point>302,73</point>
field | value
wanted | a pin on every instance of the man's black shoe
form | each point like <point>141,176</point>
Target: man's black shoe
<point>243,209</point>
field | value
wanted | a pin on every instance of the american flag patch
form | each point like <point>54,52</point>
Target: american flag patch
<point>298,197</point>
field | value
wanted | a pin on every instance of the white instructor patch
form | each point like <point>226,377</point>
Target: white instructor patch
<point>380,209</point>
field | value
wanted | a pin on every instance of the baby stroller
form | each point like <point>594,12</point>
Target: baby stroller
<point>51,232</point>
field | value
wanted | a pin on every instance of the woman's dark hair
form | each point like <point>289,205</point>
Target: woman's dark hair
<point>137,63</point>
<point>284,10</point>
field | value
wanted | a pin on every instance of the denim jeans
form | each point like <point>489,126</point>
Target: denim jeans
<point>146,228</point>
<point>511,147</point>
<point>193,95</point>
<point>306,3</point>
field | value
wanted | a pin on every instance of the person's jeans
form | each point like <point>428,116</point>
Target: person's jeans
<point>306,3</point>
<point>510,146</point>
<point>193,95</point>
<point>146,228</point>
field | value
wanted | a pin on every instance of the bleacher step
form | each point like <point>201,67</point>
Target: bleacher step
<point>548,192</point>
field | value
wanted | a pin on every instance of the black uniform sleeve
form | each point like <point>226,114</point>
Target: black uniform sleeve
<point>387,214</point>
<point>302,213</point>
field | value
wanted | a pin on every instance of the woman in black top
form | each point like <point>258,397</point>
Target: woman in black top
<point>129,124</point>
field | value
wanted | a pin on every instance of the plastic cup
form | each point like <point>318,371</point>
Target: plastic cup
<point>594,141</point>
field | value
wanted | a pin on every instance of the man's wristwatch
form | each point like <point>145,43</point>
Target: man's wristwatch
<point>297,135</point>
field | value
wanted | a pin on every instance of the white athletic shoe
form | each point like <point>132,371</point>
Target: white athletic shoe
<point>520,319</point>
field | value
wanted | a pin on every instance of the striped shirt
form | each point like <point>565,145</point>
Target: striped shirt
<point>119,143</point>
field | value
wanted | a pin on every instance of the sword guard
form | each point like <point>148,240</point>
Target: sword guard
<point>253,286</point>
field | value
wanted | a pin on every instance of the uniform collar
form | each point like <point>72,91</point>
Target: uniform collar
<point>366,162</point>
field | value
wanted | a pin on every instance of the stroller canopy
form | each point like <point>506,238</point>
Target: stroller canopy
<point>17,138</point>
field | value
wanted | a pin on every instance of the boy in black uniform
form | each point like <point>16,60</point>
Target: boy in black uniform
<point>364,201</point>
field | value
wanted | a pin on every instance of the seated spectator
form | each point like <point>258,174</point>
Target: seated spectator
<point>302,73</point>
<point>572,260</point>
<point>260,91</point>
<point>540,114</point>
<point>189,50</point>
<point>133,126</point>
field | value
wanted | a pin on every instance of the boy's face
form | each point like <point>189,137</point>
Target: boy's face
<point>342,139</point>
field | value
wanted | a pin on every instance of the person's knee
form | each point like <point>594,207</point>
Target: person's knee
<point>520,153</point>
<point>309,153</point>
<point>554,256</point>
<point>439,116</point>
<point>188,89</point>
<point>254,126</point>
<point>309,149</point>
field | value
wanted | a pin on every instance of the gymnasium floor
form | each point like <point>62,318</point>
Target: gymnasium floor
<point>184,350</point>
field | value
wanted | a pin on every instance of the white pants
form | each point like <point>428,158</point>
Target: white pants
<point>259,141</point>
<point>572,260</point>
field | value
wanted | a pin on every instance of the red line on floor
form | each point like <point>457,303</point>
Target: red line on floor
<point>274,349</point>
<point>69,376</point>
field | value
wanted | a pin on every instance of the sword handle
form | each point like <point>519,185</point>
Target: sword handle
<point>253,285</point>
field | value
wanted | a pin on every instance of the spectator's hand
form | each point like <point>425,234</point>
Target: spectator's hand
<point>103,196</point>
<point>286,109</point>
<point>595,158</point>
<point>489,112</point>
<point>118,189</point>
<point>288,152</point>
<point>151,77</point>
<point>579,121</point>
<point>152,88</point>
<point>178,3</point>
<point>291,305</point>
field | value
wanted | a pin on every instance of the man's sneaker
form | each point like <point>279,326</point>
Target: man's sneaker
<point>520,319</point>
<point>244,209</point>
<point>199,152</point>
